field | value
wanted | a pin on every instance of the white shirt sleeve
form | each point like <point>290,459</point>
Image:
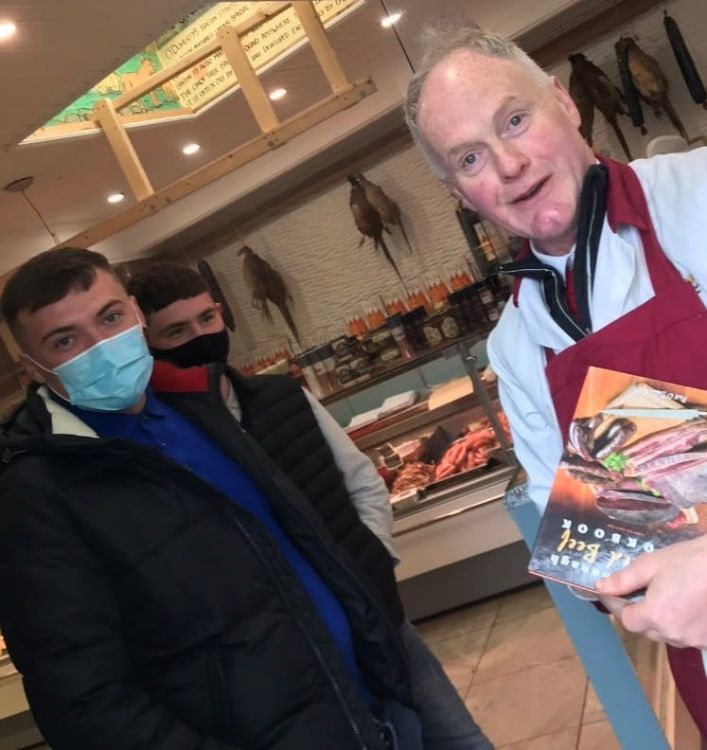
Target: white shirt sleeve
<point>363,483</point>
<point>676,191</point>
<point>536,439</point>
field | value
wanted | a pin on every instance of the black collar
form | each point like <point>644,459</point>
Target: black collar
<point>592,212</point>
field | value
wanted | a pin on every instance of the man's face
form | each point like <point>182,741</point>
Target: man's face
<point>183,321</point>
<point>509,145</point>
<point>59,332</point>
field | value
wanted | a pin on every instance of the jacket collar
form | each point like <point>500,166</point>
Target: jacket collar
<point>167,378</point>
<point>63,420</point>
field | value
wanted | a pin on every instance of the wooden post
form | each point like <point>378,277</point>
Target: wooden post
<point>249,82</point>
<point>225,164</point>
<point>107,118</point>
<point>314,28</point>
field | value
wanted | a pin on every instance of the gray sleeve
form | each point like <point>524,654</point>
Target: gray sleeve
<point>362,481</point>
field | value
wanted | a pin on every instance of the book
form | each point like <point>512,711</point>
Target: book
<point>632,479</point>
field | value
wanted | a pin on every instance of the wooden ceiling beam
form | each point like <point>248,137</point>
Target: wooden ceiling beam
<point>230,42</point>
<point>314,29</point>
<point>225,164</point>
<point>161,77</point>
<point>123,149</point>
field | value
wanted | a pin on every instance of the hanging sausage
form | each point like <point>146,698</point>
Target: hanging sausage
<point>684,59</point>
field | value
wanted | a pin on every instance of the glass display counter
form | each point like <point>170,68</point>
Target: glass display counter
<point>447,458</point>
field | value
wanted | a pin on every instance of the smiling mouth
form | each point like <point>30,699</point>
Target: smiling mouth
<point>531,193</point>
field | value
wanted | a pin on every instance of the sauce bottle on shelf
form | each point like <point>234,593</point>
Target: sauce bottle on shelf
<point>397,331</point>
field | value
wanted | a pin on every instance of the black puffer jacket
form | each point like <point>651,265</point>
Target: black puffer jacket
<point>146,611</point>
<point>277,414</point>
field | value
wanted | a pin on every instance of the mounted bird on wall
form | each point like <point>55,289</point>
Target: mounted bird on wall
<point>369,221</point>
<point>590,87</point>
<point>388,209</point>
<point>267,285</point>
<point>650,82</point>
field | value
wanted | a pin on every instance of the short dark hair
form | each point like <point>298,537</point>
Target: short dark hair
<point>48,278</point>
<point>161,284</point>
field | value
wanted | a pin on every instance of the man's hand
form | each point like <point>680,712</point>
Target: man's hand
<point>674,609</point>
<point>613,605</point>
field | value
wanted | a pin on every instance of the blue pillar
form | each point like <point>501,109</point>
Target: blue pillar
<point>599,648</point>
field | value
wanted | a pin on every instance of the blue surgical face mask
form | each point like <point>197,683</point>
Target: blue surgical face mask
<point>110,376</point>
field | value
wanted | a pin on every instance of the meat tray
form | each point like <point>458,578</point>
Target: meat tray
<point>461,477</point>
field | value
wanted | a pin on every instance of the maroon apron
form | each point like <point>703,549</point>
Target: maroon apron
<point>666,339</point>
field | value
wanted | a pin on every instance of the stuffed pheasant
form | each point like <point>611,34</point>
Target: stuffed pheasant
<point>267,285</point>
<point>650,82</point>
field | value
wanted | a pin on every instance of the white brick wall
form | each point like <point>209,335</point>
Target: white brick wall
<point>315,245</point>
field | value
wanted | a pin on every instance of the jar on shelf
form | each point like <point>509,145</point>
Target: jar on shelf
<point>432,330</point>
<point>468,303</point>
<point>388,355</point>
<point>360,369</point>
<point>488,301</point>
<point>344,375</point>
<point>441,327</point>
<point>305,360</point>
<point>375,341</point>
<point>449,324</point>
<point>397,331</point>
<point>324,366</point>
<point>413,323</point>
<point>344,348</point>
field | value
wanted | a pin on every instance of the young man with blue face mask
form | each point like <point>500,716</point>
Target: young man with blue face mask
<point>163,586</point>
<point>184,326</point>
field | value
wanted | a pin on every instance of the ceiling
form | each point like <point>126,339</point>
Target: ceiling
<point>62,48</point>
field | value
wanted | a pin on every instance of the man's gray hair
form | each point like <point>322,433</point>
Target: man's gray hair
<point>441,40</point>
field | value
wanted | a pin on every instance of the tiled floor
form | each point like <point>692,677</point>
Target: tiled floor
<point>514,665</point>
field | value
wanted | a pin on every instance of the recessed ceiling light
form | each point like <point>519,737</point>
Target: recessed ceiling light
<point>190,149</point>
<point>115,197</point>
<point>276,94</point>
<point>7,30</point>
<point>391,20</point>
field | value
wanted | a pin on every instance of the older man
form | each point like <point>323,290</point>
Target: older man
<point>611,275</point>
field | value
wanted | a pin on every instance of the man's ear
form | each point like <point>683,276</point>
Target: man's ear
<point>32,370</point>
<point>565,101</point>
<point>458,195</point>
<point>140,316</point>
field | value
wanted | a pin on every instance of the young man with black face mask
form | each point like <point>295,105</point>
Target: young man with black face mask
<point>184,326</point>
<point>163,584</point>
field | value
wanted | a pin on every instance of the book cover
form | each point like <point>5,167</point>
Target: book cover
<point>633,478</point>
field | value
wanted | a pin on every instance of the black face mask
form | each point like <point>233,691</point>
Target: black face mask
<point>202,350</point>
